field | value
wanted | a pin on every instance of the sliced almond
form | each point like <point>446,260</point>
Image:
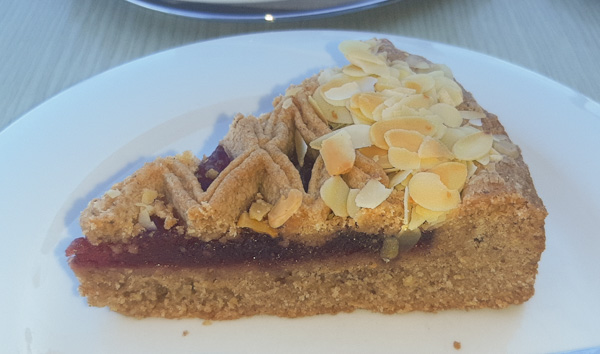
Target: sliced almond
<point>372,151</point>
<point>145,221</point>
<point>351,206</point>
<point>285,208</point>
<point>417,101</point>
<point>427,190</point>
<point>416,220</point>
<point>301,147</point>
<point>113,193</point>
<point>362,56</point>
<point>450,115</point>
<point>329,112</point>
<point>372,194</point>
<point>259,209</point>
<point>431,162</point>
<point>418,124</point>
<point>148,196</point>
<point>409,139</point>
<point>419,82</point>
<point>334,193</point>
<point>472,115</point>
<point>353,71</point>
<point>473,146</point>
<point>429,215</point>
<point>262,228</point>
<point>360,135</point>
<point>448,91</point>
<point>505,147</point>
<point>394,111</point>
<point>433,148</point>
<point>399,178</point>
<point>403,159</point>
<point>338,153</point>
<point>367,102</point>
<point>452,174</point>
<point>387,83</point>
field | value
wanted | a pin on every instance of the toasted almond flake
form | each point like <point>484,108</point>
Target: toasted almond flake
<point>476,122</point>
<point>449,114</point>
<point>431,147</point>
<point>417,62</point>
<point>505,147</point>
<point>363,57</point>
<point>399,177</point>
<point>337,95</point>
<point>287,103</point>
<point>338,153</point>
<point>419,82</point>
<point>145,221</point>
<point>372,194</point>
<point>418,124</point>
<point>259,209</point>
<point>372,151</point>
<point>429,215</point>
<point>409,139</point>
<point>395,111</point>
<point>471,114</point>
<point>417,101</point>
<point>387,83</point>
<point>301,147</point>
<point>329,112</point>
<point>285,208</point>
<point>406,204</point>
<point>351,206</point>
<point>292,91</point>
<point>452,174</point>
<point>359,135</point>
<point>448,91</point>
<point>473,146</point>
<point>353,71</point>
<point>383,161</point>
<point>431,162</point>
<point>262,228</point>
<point>485,160</point>
<point>471,168</point>
<point>334,193</point>
<point>403,159</point>
<point>367,102</point>
<point>427,190</point>
<point>148,196</point>
<point>416,220</point>
<point>329,74</point>
<point>113,193</point>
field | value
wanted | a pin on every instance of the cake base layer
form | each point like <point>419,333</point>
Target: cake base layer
<point>461,269</point>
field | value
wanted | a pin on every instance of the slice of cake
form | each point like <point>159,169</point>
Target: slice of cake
<point>381,185</point>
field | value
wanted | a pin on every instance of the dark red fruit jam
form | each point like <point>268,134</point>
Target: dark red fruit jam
<point>217,161</point>
<point>166,247</point>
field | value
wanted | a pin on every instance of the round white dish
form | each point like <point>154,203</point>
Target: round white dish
<point>258,10</point>
<point>73,147</point>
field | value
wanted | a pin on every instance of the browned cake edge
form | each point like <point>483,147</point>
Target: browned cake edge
<point>486,258</point>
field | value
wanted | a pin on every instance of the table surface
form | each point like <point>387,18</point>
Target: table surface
<point>49,46</point>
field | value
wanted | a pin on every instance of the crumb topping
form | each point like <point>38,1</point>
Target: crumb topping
<point>384,145</point>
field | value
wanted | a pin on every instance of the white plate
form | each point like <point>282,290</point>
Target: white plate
<point>258,10</point>
<point>77,144</point>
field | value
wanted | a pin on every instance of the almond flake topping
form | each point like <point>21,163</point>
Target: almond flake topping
<point>403,115</point>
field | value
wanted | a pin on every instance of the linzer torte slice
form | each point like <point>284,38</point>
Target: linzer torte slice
<point>381,185</point>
